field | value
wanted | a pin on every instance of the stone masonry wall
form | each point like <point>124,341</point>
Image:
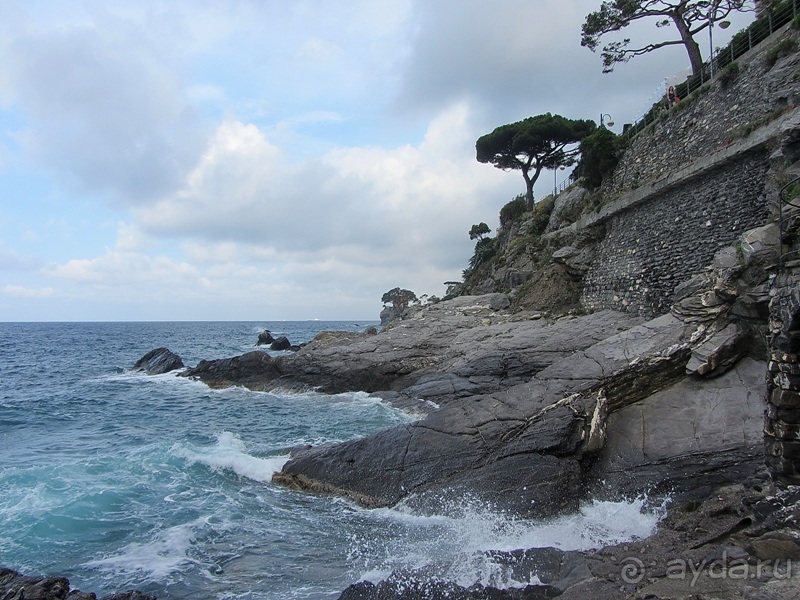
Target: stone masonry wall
<point>782,418</point>
<point>712,118</point>
<point>650,248</point>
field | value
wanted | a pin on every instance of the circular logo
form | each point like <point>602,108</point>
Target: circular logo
<point>632,570</point>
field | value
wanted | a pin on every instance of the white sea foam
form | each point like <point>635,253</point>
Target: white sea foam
<point>460,546</point>
<point>230,454</point>
<point>22,502</point>
<point>157,559</point>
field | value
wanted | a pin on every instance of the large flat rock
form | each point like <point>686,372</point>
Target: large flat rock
<point>454,349</point>
<point>521,448</point>
<point>689,432</point>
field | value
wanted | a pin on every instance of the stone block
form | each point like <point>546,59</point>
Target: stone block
<point>785,398</point>
<point>780,430</point>
<point>786,381</point>
<point>760,243</point>
<point>788,450</point>
<point>719,352</point>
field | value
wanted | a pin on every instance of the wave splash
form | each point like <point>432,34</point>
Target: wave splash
<point>230,454</point>
<point>470,544</point>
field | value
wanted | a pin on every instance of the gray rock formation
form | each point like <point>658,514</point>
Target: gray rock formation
<point>450,350</point>
<point>15,586</point>
<point>248,370</point>
<point>159,361</point>
<point>265,338</point>
<point>280,343</point>
<point>568,208</point>
<point>525,449</point>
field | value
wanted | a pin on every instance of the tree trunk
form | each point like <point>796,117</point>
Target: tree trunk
<point>528,189</point>
<point>692,48</point>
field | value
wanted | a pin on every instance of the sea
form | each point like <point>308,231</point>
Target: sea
<point>119,480</point>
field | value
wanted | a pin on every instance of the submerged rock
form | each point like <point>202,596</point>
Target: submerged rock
<point>158,361</point>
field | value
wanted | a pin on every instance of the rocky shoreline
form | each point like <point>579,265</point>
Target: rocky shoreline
<point>534,413</point>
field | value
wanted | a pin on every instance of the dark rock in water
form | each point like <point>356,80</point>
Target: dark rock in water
<point>265,338</point>
<point>15,586</point>
<point>158,361</point>
<point>281,343</point>
<point>253,370</point>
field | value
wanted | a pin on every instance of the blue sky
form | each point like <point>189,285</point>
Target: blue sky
<point>268,160</point>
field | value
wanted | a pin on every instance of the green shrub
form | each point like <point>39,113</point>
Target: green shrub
<point>600,152</point>
<point>728,75</point>
<point>541,217</point>
<point>513,211</point>
<point>790,192</point>
<point>779,50</point>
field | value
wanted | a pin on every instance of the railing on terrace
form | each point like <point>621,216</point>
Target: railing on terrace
<point>788,218</point>
<point>744,41</point>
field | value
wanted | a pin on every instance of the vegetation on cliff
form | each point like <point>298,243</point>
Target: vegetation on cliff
<point>542,142</point>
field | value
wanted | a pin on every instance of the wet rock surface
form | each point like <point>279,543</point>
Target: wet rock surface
<point>534,448</point>
<point>463,347</point>
<point>159,361</point>
<point>16,586</point>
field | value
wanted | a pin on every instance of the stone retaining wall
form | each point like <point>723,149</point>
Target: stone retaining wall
<point>713,117</point>
<point>653,246</point>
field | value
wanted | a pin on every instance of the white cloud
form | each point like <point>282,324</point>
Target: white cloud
<point>320,51</point>
<point>104,106</point>
<point>391,202</point>
<point>19,291</point>
<point>298,157</point>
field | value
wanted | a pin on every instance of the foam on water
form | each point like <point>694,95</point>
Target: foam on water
<point>156,559</point>
<point>230,454</point>
<point>462,545</point>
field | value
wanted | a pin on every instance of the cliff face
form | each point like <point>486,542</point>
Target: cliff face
<point>526,410</point>
<point>685,187</point>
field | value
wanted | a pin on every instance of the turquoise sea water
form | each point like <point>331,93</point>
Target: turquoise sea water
<point>119,480</point>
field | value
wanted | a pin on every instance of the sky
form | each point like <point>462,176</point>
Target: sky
<point>267,160</point>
